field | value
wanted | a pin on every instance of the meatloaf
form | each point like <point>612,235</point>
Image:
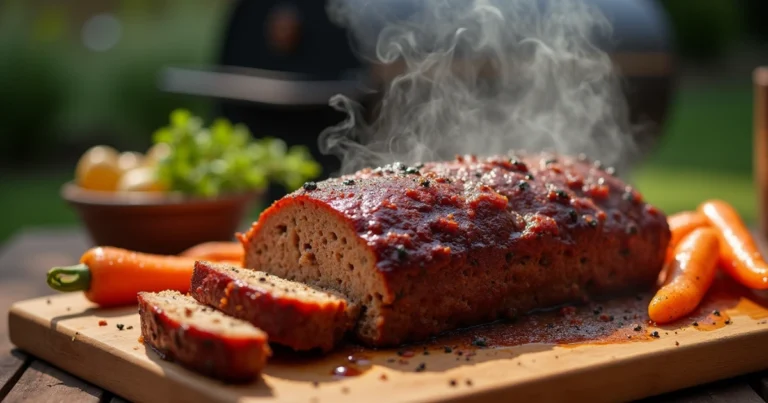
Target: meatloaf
<point>433,247</point>
<point>201,338</point>
<point>292,314</point>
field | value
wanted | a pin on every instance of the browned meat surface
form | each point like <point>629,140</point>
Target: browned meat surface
<point>291,314</point>
<point>201,338</point>
<point>431,248</point>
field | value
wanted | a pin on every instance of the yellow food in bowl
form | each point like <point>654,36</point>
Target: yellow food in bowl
<point>97,169</point>
<point>142,179</point>
<point>129,160</point>
<point>156,153</point>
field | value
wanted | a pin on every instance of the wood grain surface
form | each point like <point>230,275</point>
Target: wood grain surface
<point>65,331</point>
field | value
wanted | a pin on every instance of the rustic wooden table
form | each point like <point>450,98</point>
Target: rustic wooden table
<point>26,257</point>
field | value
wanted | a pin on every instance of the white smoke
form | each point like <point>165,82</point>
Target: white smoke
<point>482,77</point>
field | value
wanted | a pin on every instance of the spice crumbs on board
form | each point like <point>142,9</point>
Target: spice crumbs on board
<point>102,322</point>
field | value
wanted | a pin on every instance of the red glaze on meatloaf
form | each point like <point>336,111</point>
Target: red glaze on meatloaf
<point>201,338</point>
<point>438,246</point>
<point>292,314</point>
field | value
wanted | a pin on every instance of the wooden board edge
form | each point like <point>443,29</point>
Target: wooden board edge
<point>83,359</point>
<point>650,379</point>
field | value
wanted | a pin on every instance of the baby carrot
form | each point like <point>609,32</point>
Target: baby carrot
<point>683,223</point>
<point>680,225</point>
<point>216,251</point>
<point>739,255</point>
<point>690,274</point>
<point>112,276</point>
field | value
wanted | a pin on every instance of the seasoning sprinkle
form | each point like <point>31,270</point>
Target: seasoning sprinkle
<point>120,326</point>
<point>696,324</point>
<point>728,322</point>
<point>349,182</point>
<point>655,334</point>
<point>479,342</point>
<point>452,382</point>
<point>447,350</point>
<point>425,183</point>
<point>573,215</point>
<point>523,185</point>
<point>421,367</point>
<point>716,312</point>
<point>310,186</point>
<point>637,328</point>
<point>402,254</point>
<point>129,327</point>
<point>529,177</point>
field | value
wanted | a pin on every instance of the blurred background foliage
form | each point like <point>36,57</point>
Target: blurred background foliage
<point>61,92</point>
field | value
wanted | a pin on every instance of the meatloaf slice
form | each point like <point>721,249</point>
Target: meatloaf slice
<point>200,338</point>
<point>292,314</point>
<point>433,247</point>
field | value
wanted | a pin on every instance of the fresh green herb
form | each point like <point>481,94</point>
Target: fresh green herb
<point>224,158</point>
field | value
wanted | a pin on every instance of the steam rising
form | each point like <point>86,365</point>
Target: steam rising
<point>482,77</point>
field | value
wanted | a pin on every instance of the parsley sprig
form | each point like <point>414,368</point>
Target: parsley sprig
<point>225,158</point>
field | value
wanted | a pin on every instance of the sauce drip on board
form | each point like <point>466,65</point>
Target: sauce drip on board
<point>619,320</point>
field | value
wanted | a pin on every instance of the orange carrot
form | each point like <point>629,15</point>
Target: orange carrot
<point>680,225</point>
<point>216,251</point>
<point>112,276</point>
<point>691,273</point>
<point>739,255</point>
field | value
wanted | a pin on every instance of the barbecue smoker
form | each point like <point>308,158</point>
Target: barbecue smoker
<point>281,61</point>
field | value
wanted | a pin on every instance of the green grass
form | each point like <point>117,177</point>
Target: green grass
<point>675,190</point>
<point>33,200</point>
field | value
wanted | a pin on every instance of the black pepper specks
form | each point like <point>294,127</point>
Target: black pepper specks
<point>550,161</point>
<point>412,170</point>
<point>422,367</point>
<point>349,182</point>
<point>309,186</point>
<point>402,254</point>
<point>529,177</point>
<point>452,382</point>
<point>728,322</point>
<point>425,183</point>
<point>696,324</point>
<point>655,334</point>
<point>716,312</point>
<point>631,229</point>
<point>523,185</point>
<point>637,328</point>
<point>479,342</point>
<point>120,326</point>
<point>447,349</point>
<point>573,215</point>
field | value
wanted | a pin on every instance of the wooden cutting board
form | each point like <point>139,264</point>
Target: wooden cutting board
<point>65,330</point>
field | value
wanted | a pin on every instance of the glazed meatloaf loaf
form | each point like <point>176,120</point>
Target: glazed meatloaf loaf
<point>437,246</point>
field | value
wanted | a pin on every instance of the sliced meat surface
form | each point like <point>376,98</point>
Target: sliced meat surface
<point>200,338</point>
<point>292,314</point>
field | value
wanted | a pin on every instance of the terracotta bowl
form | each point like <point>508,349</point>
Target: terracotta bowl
<point>157,222</point>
